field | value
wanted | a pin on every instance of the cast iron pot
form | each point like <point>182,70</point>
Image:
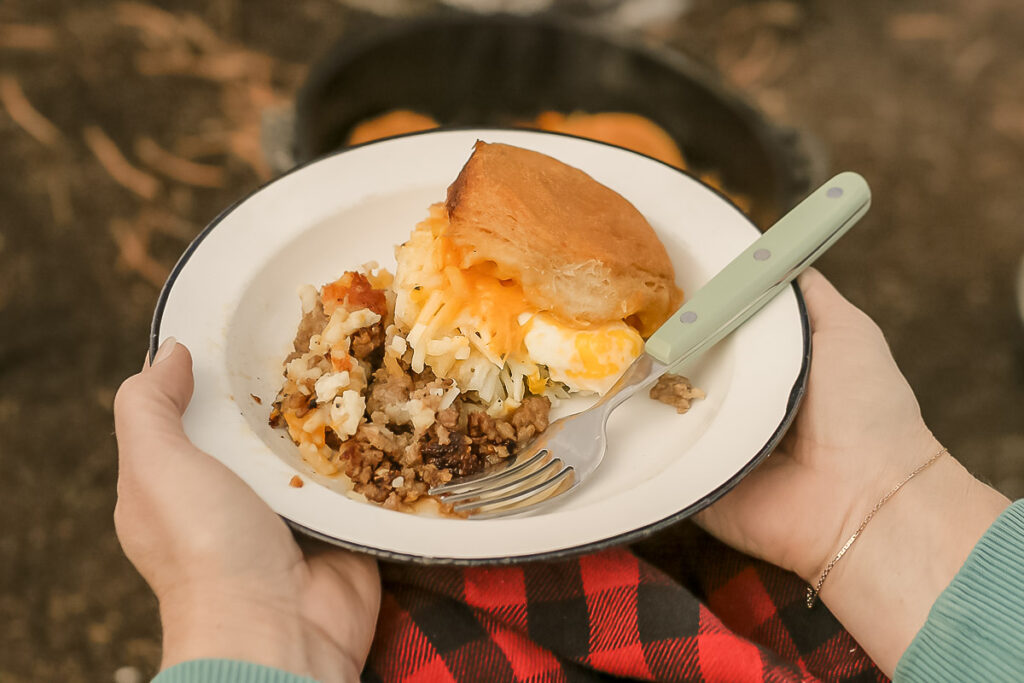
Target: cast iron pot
<point>497,70</point>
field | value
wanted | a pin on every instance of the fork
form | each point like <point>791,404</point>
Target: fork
<point>571,448</point>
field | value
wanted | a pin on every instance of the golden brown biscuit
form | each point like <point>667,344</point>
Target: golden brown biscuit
<point>579,249</point>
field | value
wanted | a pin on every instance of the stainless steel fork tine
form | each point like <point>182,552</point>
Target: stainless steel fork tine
<point>526,480</point>
<point>513,498</point>
<point>485,478</point>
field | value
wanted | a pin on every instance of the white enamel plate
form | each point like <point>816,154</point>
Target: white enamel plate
<point>232,299</point>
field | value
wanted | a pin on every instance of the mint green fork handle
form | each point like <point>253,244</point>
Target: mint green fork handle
<point>763,270</point>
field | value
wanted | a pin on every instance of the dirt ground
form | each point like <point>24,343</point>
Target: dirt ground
<point>101,102</point>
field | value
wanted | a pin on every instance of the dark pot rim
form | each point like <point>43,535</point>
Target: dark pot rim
<point>787,149</point>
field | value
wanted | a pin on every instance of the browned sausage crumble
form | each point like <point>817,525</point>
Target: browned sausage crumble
<point>676,391</point>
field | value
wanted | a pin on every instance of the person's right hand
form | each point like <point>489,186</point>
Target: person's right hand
<point>858,433</point>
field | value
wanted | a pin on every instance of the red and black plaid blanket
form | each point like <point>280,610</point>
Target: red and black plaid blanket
<point>694,610</point>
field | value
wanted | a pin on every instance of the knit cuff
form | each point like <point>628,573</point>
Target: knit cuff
<point>975,630</point>
<point>226,671</point>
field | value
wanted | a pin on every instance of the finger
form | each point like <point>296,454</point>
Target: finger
<point>311,546</point>
<point>357,570</point>
<point>337,559</point>
<point>148,406</point>
<point>826,307</point>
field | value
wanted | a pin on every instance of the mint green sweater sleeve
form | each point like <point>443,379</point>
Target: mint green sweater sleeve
<point>226,671</point>
<point>975,630</point>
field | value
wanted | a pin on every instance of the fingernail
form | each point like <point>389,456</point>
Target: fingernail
<point>165,350</point>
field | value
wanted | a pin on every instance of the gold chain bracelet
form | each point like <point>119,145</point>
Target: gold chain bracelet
<point>812,591</point>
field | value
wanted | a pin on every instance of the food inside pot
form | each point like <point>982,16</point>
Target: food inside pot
<point>623,129</point>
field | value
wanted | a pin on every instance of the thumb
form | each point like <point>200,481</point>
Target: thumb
<point>148,406</point>
<point>826,307</point>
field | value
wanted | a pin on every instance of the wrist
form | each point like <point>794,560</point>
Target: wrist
<point>211,622</point>
<point>908,554</point>
<point>856,491</point>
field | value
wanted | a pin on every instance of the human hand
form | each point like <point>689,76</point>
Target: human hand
<point>858,433</point>
<point>230,578</point>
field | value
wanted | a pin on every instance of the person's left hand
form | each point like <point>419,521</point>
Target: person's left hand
<point>231,580</point>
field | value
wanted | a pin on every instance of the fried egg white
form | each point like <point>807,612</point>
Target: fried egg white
<point>587,360</point>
